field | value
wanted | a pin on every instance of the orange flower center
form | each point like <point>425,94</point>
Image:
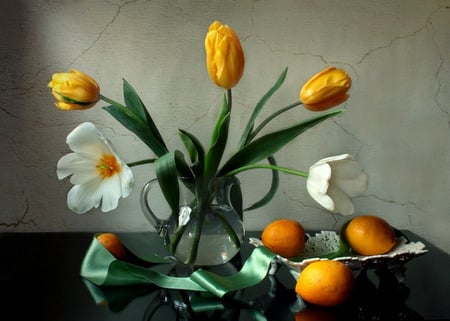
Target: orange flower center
<point>108,166</point>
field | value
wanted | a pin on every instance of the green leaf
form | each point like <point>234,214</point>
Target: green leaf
<point>168,168</point>
<point>137,125</point>
<point>195,150</point>
<point>166,172</point>
<point>251,123</point>
<point>224,112</point>
<point>229,229</point>
<point>134,102</point>
<point>269,144</point>
<point>236,199</point>
<point>273,188</point>
<point>269,118</point>
<point>218,140</point>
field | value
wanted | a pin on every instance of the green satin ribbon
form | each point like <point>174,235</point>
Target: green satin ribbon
<point>253,271</point>
<point>118,297</point>
<point>102,268</point>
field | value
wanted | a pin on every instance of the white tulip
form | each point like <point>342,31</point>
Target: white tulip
<point>333,181</point>
<point>99,175</point>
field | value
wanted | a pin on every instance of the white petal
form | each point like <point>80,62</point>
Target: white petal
<point>342,202</point>
<point>81,176</point>
<point>318,177</point>
<point>82,198</point>
<point>346,168</point>
<point>334,158</point>
<point>126,181</point>
<point>86,138</point>
<point>64,168</point>
<point>94,193</point>
<point>110,191</point>
<point>317,184</point>
<point>353,187</point>
<point>72,163</point>
<point>325,201</point>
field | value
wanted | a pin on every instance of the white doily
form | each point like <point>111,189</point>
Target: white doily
<point>326,242</point>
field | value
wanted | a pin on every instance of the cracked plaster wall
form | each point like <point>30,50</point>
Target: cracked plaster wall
<point>397,121</point>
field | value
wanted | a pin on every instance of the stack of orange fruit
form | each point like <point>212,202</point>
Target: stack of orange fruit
<point>329,282</point>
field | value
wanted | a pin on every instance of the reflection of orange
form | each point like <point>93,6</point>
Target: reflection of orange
<point>314,314</point>
<point>284,237</point>
<point>325,283</point>
<point>370,235</point>
<point>113,244</point>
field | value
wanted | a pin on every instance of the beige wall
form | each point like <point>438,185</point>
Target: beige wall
<point>397,122</point>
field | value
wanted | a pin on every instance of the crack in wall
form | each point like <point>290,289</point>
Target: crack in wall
<point>19,79</point>
<point>438,89</point>
<point>315,207</point>
<point>320,57</point>
<point>20,220</point>
<point>8,113</point>
<point>105,28</point>
<point>21,91</point>
<point>353,136</point>
<point>401,37</point>
<point>309,54</point>
<point>428,26</point>
<point>389,44</point>
<point>394,202</point>
<point>439,69</point>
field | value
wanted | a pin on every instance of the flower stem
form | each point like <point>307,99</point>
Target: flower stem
<point>229,100</point>
<point>230,231</point>
<point>176,239</point>
<point>269,118</point>
<point>110,101</point>
<point>197,233</point>
<point>267,166</point>
<point>142,162</point>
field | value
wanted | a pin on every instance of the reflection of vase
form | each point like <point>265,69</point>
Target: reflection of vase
<point>176,304</point>
<point>208,229</point>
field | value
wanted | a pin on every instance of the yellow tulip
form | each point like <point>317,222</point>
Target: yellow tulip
<point>326,89</point>
<point>224,56</point>
<point>74,90</point>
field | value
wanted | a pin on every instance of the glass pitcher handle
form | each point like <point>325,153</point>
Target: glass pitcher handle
<point>154,220</point>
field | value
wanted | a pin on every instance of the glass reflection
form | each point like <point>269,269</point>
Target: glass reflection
<point>379,294</point>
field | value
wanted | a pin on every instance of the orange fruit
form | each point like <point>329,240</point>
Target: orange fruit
<point>113,244</point>
<point>325,283</point>
<point>284,237</point>
<point>370,235</point>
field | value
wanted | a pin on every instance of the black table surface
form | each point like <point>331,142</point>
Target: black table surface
<point>40,280</point>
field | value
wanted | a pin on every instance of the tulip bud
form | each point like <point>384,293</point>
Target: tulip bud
<point>224,56</point>
<point>74,90</point>
<point>326,89</point>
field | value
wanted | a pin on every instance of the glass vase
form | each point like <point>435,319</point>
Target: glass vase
<point>208,228</point>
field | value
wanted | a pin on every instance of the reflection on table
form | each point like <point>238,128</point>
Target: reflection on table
<point>40,280</point>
